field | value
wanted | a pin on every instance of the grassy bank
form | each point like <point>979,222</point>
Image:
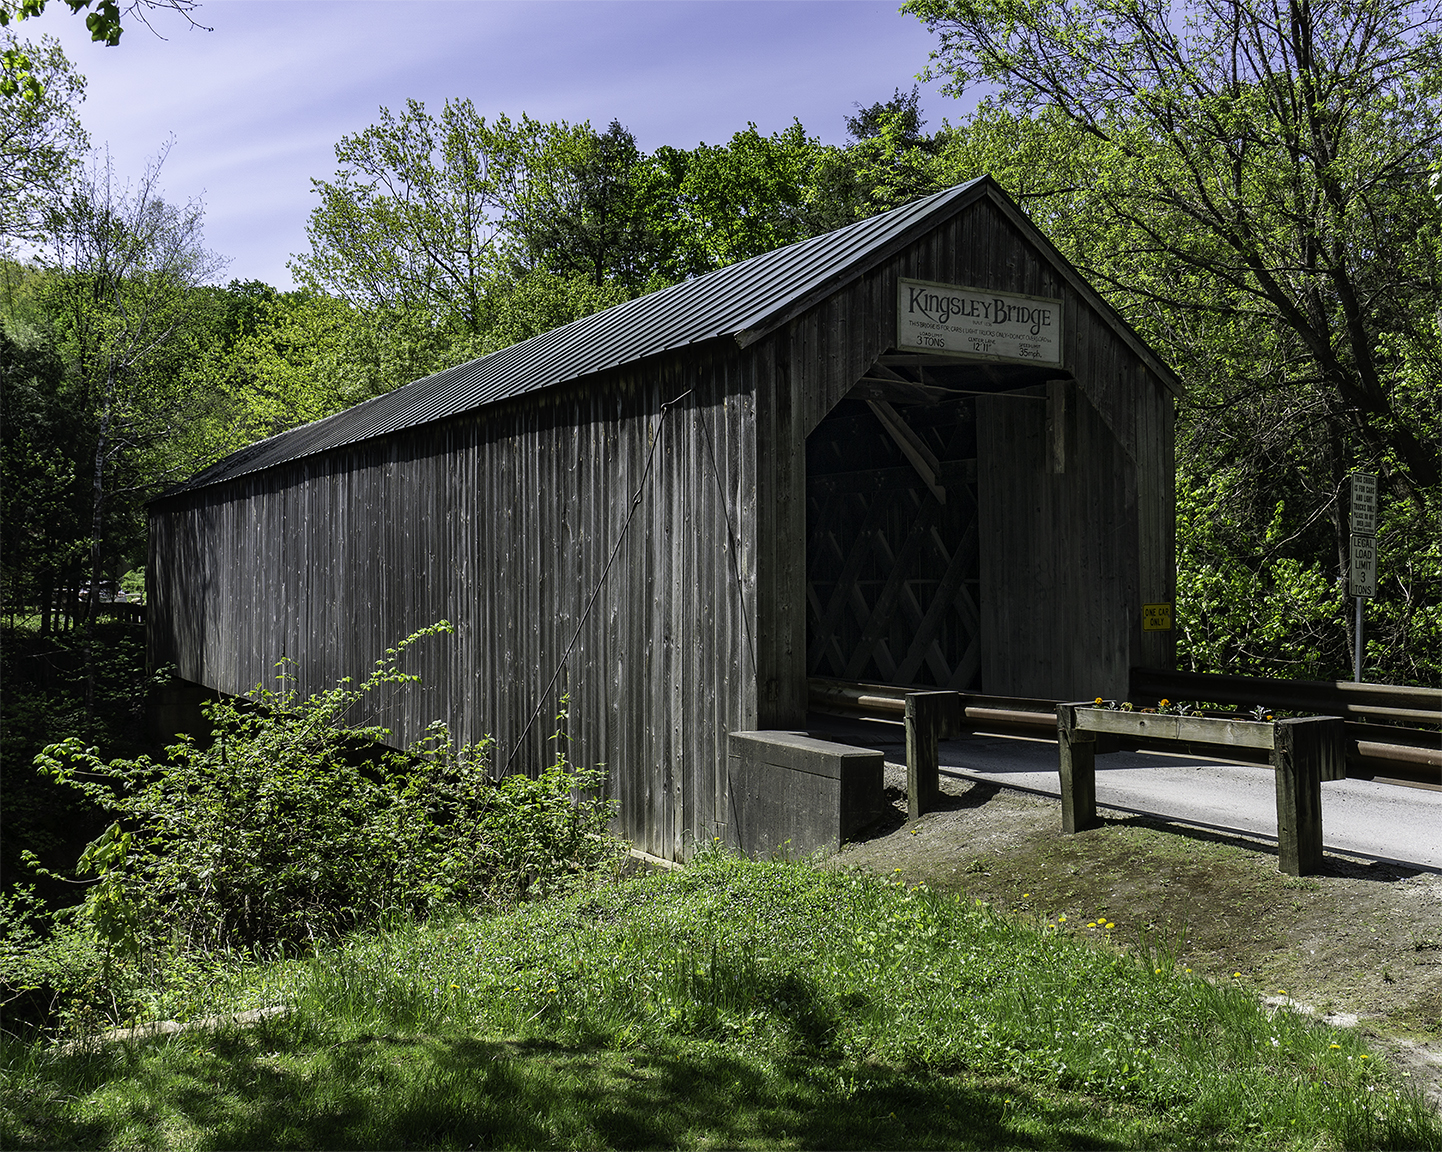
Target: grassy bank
<point>732,1004</point>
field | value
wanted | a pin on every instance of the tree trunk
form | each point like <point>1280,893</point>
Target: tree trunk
<point>1340,517</point>
<point>47,599</point>
<point>96,529</point>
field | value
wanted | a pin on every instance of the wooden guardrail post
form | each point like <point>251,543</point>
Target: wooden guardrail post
<point>928,715</point>
<point>1078,753</point>
<point>1305,752</point>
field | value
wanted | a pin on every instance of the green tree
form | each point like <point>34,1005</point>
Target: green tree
<point>445,238</point>
<point>123,268</point>
<point>19,73</point>
<point>42,454</point>
<point>41,140</point>
<point>581,206</point>
<point>1278,150</point>
<point>736,200</point>
<point>889,160</point>
<point>301,356</point>
<point>902,111</point>
<point>1249,184</point>
<point>412,218</point>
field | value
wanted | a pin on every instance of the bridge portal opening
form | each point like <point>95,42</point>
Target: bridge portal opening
<point>893,536</point>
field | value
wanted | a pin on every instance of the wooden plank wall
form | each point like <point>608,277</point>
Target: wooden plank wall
<point>1058,554</point>
<point>835,342</point>
<point>824,351</point>
<point>502,522</point>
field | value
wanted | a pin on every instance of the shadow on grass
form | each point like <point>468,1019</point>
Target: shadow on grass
<point>1355,867</point>
<point>1351,864</point>
<point>286,1086</point>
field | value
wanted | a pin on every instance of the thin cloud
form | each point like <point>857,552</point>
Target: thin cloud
<point>255,107</point>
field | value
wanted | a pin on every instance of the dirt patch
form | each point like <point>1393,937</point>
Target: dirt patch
<point>1361,939</point>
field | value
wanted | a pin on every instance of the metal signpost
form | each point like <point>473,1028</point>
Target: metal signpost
<point>1363,554</point>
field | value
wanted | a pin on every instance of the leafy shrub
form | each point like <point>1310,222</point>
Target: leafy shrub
<point>46,962</point>
<point>292,827</point>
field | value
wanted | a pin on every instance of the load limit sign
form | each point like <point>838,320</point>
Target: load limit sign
<point>1364,535</point>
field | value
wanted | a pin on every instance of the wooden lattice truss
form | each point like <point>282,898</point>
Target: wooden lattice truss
<point>892,562</point>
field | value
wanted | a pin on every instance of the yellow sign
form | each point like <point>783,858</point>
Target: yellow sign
<point>1156,617</point>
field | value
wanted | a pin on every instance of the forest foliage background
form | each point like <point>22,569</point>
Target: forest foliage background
<point>1254,188</point>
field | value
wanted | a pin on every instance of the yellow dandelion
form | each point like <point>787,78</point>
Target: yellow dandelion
<point>1159,972</point>
<point>1334,1046</point>
<point>1061,919</point>
<point>1026,895</point>
<point>1236,975</point>
<point>1364,1056</point>
<point>1110,924</point>
<point>1092,924</point>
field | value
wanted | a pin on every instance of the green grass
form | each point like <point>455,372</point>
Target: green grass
<point>729,1005</point>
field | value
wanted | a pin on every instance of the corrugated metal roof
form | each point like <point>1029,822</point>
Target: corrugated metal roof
<point>728,301</point>
<point>737,300</point>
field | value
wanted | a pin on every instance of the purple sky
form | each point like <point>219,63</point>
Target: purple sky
<point>255,107</point>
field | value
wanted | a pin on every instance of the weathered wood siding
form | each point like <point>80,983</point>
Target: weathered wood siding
<point>502,522</point>
<point>1059,579</point>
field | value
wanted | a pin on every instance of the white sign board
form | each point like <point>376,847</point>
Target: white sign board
<point>1364,504</point>
<point>990,325</point>
<point>1364,565</point>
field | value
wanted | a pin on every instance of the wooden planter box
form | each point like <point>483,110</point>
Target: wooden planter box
<point>1303,753</point>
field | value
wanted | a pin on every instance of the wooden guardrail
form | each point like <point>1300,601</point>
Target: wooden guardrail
<point>1389,729</point>
<point>888,702</point>
<point>1394,729</point>
<point>929,716</point>
<point>121,610</point>
<point>1302,753</point>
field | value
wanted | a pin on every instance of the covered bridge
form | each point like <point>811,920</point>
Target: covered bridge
<point>919,450</point>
